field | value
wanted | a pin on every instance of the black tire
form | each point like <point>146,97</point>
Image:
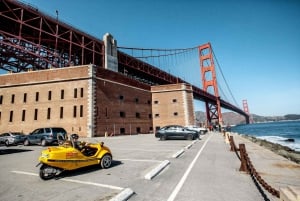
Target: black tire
<point>6,143</point>
<point>190,137</point>
<point>43,142</point>
<point>47,172</point>
<point>163,137</point>
<point>26,142</point>
<point>106,161</point>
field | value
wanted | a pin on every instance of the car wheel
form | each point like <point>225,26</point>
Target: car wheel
<point>106,161</point>
<point>7,143</point>
<point>190,137</point>
<point>47,172</point>
<point>26,142</point>
<point>163,137</point>
<point>43,142</point>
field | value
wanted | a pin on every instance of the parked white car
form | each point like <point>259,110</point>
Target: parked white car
<point>200,130</point>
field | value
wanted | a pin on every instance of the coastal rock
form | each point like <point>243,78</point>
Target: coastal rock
<point>276,148</point>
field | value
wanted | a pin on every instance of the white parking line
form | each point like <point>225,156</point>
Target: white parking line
<point>138,160</point>
<point>74,181</point>
<point>187,172</point>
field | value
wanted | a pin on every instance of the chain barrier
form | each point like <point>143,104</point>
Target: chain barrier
<point>247,166</point>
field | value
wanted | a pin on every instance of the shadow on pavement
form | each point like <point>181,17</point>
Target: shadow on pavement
<point>86,170</point>
<point>13,151</point>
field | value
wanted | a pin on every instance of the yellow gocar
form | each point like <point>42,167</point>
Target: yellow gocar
<point>54,160</point>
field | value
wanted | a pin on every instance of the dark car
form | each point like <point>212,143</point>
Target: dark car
<point>45,136</point>
<point>176,132</point>
<point>12,138</point>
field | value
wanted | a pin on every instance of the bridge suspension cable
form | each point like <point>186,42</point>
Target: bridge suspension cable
<point>226,83</point>
<point>174,61</point>
<point>169,60</point>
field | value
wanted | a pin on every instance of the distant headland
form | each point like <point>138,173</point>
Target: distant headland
<point>232,118</point>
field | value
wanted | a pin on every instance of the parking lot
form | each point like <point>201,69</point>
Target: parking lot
<point>134,158</point>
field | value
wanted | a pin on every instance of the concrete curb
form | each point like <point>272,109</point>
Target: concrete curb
<point>157,169</point>
<point>124,195</point>
<point>190,145</point>
<point>178,153</point>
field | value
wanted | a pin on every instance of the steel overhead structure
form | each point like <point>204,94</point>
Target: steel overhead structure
<point>32,40</point>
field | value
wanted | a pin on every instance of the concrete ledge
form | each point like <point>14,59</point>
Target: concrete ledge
<point>190,145</point>
<point>157,169</point>
<point>178,153</point>
<point>124,195</point>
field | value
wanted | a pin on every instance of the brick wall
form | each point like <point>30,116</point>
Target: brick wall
<point>172,104</point>
<point>43,99</point>
<point>123,105</point>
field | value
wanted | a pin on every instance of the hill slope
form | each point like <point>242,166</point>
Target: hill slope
<point>231,118</point>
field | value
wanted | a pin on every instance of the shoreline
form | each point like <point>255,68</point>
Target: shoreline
<point>281,150</point>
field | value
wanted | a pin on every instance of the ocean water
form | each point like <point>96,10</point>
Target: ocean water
<point>286,133</point>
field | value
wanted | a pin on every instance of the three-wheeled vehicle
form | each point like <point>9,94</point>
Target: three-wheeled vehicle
<point>68,156</point>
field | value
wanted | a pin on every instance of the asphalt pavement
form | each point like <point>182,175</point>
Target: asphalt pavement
<point>145,168</point>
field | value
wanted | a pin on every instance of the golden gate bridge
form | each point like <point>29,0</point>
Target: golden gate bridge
<point>30,39</point>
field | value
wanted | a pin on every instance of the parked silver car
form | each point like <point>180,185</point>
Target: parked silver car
<point>200,130</point>
<point>12,138</point>
<point>45,136</point>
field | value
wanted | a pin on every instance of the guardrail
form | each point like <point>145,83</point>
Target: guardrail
<point>247,166</point>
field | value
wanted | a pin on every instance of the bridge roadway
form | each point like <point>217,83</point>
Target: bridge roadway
<point>206,170</point>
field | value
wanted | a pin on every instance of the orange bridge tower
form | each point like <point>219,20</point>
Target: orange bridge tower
<point>209,80</point>
<point>246,109</point>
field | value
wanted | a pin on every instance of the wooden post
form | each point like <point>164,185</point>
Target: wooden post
<point>243,167</point>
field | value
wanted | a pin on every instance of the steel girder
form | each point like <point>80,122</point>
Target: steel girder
<point>30,39</point>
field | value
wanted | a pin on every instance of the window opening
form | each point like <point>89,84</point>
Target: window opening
<point>61,112</point>
<point>122,130</point>
<point>74,111</point>
<point>23,115</point>
<point>11,115</point>
<point>48,113</point>
<point>81,92</point>
<point>35,114</point>
<point>122,114</point>
<point>62,94</point>
<point>13,98</point>
<point>25,98</point>
<point>81,110</point>
<point>75,93</point>
<point>37,96</point>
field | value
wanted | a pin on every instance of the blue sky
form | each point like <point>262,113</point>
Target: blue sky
<point>257,43</point>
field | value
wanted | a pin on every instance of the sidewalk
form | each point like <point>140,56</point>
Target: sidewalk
<point>218,170</point>
<point>276,170</point>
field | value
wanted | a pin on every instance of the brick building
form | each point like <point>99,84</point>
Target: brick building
<point>83,99</point>
<point>172,104</point>
<point>91,100</point>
